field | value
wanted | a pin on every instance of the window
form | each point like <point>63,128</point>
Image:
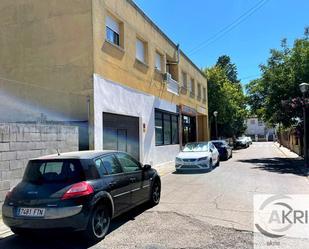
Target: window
<point>199,90</point>
<point>140,50</point>
<point>204,94</point>
<point>192,88</point>
<point>175,137</point>
<point>260,122</point>
<point>166,125</point>
<point>159,128</point>
<point>100,167</point>
<point>128,163</point>
<point>58,171</point>
<point>111,165</point>
<point>184,82</point>
<point>112,31</point>
<point>252,121</point>
<point>158,62</point>
<point>167,128</point>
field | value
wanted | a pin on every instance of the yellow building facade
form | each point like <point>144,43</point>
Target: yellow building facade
<point>103,62</point>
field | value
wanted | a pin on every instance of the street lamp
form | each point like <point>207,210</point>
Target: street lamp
<point>304,88</point>
<point>216,123</point>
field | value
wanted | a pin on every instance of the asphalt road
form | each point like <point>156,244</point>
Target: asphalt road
<point>201,210</point>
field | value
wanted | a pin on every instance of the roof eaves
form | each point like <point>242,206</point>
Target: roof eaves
<point>155,26</point>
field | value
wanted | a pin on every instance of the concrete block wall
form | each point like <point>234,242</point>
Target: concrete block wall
<point>21,142</point>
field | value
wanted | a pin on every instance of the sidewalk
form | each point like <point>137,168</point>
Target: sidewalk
<point>165,169</point>
<point>297,160</point>
<point>4,230</point>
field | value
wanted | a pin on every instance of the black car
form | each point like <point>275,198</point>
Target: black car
<point>79,191</point>
<point>224,149</point>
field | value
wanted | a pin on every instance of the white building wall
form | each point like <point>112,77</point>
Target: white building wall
<point>118,99</point>
<point>256,128</point>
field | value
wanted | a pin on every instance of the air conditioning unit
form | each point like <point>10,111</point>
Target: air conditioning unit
<point>167,77</point>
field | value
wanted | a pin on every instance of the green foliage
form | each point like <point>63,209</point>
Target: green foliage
<point>279,84</point>
<point>228,99</point>
<point>230,69</point>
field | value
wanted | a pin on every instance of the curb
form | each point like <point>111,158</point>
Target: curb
<point>3,229</point>
<point>301,168</point>
<point>164,172</point>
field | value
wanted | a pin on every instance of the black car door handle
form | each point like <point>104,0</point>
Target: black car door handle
<point>132,179</point>
<point>112,184</point>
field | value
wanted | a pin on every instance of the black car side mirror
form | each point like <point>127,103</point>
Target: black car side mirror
<point>147,166</point>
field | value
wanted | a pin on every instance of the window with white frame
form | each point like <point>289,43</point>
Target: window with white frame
<point>158,62</point>
<point>140,50</point>
<point>204,94</point>
<point>192,88</point>
<point>199,90</point>
<point>184,82</point>
<point>112,30</point>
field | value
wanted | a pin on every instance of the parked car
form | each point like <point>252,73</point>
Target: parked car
<point>249,140</point>
<point>241,142</point>
<point>79,191</point>
<point>199,155</point>
<point>225,151</point>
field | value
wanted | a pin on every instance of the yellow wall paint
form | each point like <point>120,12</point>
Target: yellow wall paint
<point>120,65</point>
<point>46,54</point>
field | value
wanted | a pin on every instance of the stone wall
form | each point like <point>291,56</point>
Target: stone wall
<point>21,142</point>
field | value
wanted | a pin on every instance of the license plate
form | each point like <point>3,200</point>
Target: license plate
<point>31,212</point>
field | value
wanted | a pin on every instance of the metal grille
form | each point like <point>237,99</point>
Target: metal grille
<point>189,160</point>
<point>190,167</point>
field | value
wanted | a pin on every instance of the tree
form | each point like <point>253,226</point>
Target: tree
<point>274,95</point>
<point>228,99</point>
<point>229,68</point>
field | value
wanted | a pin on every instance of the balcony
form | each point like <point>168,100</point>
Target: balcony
<point>172,85</point>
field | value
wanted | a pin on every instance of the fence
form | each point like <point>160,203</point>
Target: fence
<point>291,140</point>
<point>21,142</point>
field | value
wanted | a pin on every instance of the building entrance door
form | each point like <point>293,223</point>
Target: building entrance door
<point>121,133</point>
<point>189,129</point>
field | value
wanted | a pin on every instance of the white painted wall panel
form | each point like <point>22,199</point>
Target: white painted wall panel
<point>115,98</point>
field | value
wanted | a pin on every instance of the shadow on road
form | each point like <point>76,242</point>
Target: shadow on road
<point>277,165</point>
<point>65,240</point>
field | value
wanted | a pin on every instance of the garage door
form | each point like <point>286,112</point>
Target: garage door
<point>121,133</point>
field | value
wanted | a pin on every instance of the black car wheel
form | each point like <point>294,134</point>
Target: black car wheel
<point>226,157</point>
<point>155,193</point>
<point>99,223</point>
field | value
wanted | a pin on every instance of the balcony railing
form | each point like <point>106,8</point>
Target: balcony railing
<point>172,85</point>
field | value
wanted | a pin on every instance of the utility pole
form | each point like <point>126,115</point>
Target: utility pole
<point>216,123</point>
<point>304,88</point>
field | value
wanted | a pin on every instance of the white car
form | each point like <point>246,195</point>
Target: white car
<point>249,140</point>
<point>199,155</point>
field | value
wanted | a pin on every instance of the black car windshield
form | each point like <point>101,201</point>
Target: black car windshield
<point>55,171</point>
<point>218,144</point>
<point>196,147</point>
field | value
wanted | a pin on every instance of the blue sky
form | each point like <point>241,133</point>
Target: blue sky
<point>190,23</point>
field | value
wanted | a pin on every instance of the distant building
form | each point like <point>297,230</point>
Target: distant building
<point>257,129</point>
